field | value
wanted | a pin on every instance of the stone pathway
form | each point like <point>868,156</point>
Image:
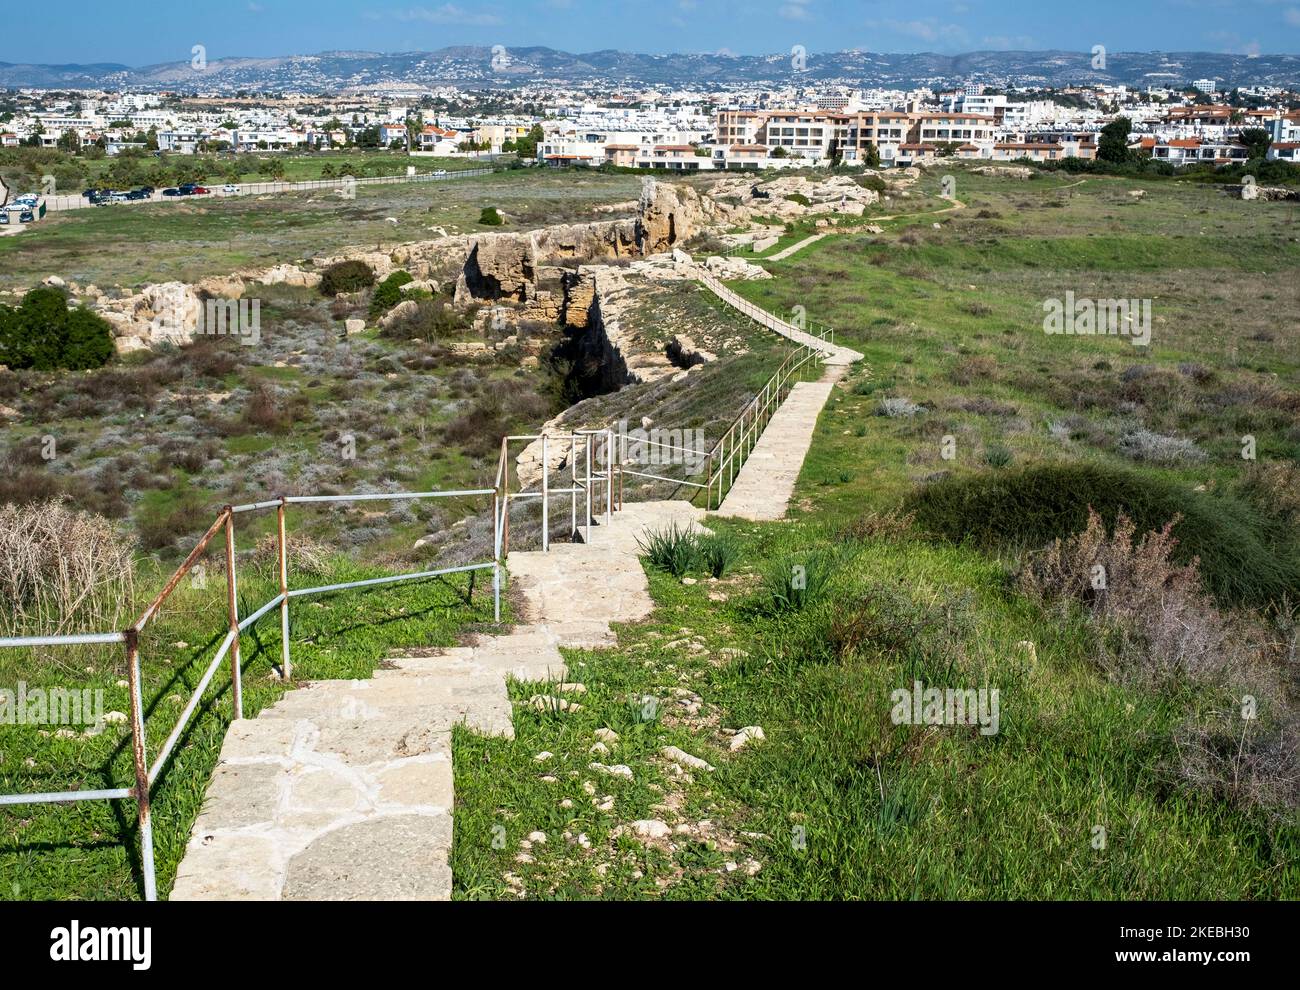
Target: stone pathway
<point>342,790</point>
<point>765,484</point>
<point>786,252</point>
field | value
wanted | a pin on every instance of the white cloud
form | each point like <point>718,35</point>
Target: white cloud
<point>448,13</point>
<point>1292,16</point>
<point>794,10</point>
<point>927,29</point>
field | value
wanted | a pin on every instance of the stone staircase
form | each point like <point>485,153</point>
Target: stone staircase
<point>342,790</point>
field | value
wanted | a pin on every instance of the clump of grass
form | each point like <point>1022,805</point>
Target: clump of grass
<point>673,550</point>
<point>793,583</point>
<point>718,553</point>
<point>998,456</point>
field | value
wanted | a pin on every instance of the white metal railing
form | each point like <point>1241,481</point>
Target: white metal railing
<point>597,465</point>
<point>146,774</point>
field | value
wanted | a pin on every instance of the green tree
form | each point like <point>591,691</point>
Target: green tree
<point>1113,146</point>
<point>1256,140</point>
<point>70,141</point>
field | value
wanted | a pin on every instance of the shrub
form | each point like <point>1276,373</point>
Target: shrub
<point>346,276</point>
<point>1143,445</point>
<point>899,406</point>
<point>306,556</point>
<point>718,553</point>
<point>1245,556</point>
<point>1159,625</point>
<point>62,570</point>
<point>489,217</point>
<point>43,334</point>
<point>388,293</point>
<point>799,198</point>
<point>673,550</point>
<point>930,635</point>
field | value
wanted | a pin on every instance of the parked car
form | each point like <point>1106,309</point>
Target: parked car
<point>119,197</point>
<point>440,172</point>
<point>200,191</point>
<point>137,194</point>
<point>147,190</point>
<point>4,218</point>
<point>230,188</point>
<point>90,193</point>
<point>26,216</point>
<point>172,192</point>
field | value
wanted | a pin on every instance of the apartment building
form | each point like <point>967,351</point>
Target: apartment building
<point>822,134</point>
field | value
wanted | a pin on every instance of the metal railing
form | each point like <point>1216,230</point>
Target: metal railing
<point>597,463</point>
<point>146,774</point>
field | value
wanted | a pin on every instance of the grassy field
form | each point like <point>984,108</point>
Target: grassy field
<point>136,245</point>
<point>1093,787</point>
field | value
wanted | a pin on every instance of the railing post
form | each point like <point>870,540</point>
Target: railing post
<point>546,495</point>
<point>236,687</point>
<point>141,765</point>
<point>588,487</point>
<point>609,475</point>
<point>286,663</point>
<point>573,485</point>
<point>496,555</point>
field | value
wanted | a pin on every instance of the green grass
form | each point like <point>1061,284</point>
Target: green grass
<point>89,850</point>
<point>839,802</point>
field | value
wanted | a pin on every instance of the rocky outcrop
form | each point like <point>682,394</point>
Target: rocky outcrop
<point>165,312</point>
<point>1005,171</point>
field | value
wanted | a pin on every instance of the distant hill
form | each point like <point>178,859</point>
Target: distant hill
<point>474,66</point>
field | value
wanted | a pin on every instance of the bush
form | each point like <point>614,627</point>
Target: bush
<point>1159,627</point>
<point>490,217</point>
<point>673,550</point>
<point>43,334</point>
<point>1245,556</point>
<point>346,276</point>
<point>388,293</point>
<point>63,571</point>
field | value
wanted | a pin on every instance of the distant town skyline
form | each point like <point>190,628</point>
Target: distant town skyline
<point>140,32</point>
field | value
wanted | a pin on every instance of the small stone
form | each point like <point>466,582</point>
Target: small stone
<point>353,325</point>
<point>583,840</point>
<point>588,787</point>
<point>122,684</point>
<point>548,779</point>
<point>537,837</point>
<point>616,770</point>
<point>543,756</point>
<point>523,858</point>
<point>606,735</point>
<point>566,803</point>
<point>651,828</point>
<point>114,716</point>
<point>598,749</point>
<point>574,688</point>
<point>688,580</point>
<point>682,758</point>
<point>750,733</point>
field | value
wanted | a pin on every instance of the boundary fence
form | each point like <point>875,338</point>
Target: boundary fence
<point>78,202</point>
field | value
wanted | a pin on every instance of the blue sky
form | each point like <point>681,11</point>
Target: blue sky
<point>142,32</point>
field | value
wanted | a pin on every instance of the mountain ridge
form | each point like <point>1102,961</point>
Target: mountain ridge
<point>477,66</point>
